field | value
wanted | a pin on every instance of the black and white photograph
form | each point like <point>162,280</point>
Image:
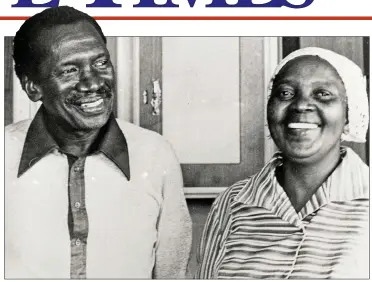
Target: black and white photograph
<point>184,157</point>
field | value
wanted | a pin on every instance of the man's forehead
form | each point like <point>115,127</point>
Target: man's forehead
<point>52,38</point>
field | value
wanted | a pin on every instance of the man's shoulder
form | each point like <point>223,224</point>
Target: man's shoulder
<point>15,135</point>
<point>146,144</point>
<point>135,133</point>
<point>18,130</point>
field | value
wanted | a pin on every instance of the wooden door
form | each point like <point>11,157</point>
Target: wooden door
<point>8,81</point>
<point>212,105</point>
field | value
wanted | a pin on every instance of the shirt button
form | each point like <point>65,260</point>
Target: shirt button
<point>77,205</point>
<point>77,242</point>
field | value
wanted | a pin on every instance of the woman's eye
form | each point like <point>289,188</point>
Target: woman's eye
<point>322,94</point>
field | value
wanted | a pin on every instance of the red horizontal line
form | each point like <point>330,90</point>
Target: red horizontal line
<point>183,18</point>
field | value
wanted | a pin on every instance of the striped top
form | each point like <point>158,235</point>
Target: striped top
<point>253,231</point>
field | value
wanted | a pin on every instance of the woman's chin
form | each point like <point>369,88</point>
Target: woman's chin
<point>305,153</point>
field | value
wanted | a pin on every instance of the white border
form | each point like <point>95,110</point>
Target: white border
<point>215,28</point>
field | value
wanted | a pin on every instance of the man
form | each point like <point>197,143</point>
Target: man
<point>87,196</point>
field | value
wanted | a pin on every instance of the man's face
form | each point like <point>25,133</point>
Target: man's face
<point>76,76</point>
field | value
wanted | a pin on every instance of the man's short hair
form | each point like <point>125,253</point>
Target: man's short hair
<point>26,54</point>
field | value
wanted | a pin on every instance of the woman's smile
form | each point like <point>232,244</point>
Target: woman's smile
<point>302,125</point>
<point>306,110</point>
<point>302,129</point>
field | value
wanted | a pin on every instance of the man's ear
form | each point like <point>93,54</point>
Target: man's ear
<point>346,128</point>
<point>33,90</point>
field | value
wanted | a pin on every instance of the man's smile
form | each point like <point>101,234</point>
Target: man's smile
<point>94,105</point>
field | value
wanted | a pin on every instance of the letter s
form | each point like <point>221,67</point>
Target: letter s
<point>307,3</point>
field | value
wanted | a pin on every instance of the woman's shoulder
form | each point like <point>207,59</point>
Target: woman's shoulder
<point>233,193</point>
<point>355,172</point>
<point>238,186</point>
<point>250,189</point>
<point>227,197</point>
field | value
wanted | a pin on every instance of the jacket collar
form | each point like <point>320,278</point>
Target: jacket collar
<point>39,143</point>
<point>349,181</point>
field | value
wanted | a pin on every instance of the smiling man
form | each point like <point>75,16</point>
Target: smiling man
<point>87,196</point>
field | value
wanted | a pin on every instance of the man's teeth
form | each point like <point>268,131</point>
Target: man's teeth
<point>302,125</point>
<point>93,104</point>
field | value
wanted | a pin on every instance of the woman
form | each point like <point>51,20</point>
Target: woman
<point>305,214</point>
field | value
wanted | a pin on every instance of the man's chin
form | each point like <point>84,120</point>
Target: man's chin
<point>92,122</point>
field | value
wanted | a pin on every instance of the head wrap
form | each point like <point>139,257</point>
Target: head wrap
<point>355,86</point>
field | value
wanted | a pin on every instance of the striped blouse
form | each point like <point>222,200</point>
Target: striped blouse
<point>253,231</point>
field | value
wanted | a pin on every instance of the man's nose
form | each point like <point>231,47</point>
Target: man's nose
<point>90,81</point>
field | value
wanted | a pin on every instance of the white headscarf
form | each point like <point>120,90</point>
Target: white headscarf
<point>355,85</point>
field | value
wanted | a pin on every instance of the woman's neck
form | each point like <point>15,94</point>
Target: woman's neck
<point>301,181</point>
<point>71,141</point>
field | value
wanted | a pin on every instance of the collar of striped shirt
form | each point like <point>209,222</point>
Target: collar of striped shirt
<point>346,183</point>
<point>39,142</point>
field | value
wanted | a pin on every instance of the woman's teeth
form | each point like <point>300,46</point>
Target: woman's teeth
<point>302,125</point>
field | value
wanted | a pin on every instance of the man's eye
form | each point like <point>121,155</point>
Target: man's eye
<point>285,94</point>
<point>101,63</point>
<point>69,71</point>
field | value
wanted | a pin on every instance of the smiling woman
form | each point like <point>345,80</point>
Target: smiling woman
<point>305,214</point>
<point>307,110</point>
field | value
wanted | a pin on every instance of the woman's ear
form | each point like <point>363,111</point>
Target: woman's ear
<point>33,90</point>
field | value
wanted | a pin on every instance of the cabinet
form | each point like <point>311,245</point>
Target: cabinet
<point>212,92</point>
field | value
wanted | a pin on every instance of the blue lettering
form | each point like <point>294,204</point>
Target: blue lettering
<point>249,4</point>
<point>191,3</point>
<point>170,4</point>
<point>103,4</point>
<point>307,3</point>
<point>151,4</point>
<point>29,4</point>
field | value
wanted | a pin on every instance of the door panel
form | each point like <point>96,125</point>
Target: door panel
<point>202,98</point>
<point>234,121</point>
<point>8,81</point>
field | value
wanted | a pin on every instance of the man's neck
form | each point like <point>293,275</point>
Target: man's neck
<point>71,141</point>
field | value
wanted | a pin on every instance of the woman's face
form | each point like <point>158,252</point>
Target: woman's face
<point>306,111</point>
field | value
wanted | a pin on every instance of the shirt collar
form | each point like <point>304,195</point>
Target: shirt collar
<point>349,181</point>
<point>39,143</point>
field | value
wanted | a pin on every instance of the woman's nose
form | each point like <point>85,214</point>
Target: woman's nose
<point>303,103</point>
<point>89,82</point>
